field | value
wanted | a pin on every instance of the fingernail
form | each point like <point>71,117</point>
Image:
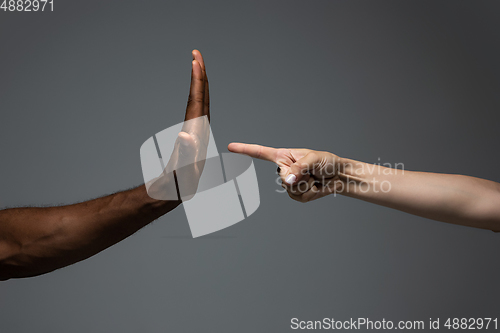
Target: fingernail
<point>290,179</point>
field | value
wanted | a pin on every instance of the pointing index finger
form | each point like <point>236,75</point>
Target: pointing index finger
<point>256,151</point>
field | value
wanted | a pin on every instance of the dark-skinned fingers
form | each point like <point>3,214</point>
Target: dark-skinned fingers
<point>196,98</point>
<point>198,57</point>
<point>206,99</point>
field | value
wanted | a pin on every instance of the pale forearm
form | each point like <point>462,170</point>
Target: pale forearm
<point>39,240</point>
<point>449,198</point>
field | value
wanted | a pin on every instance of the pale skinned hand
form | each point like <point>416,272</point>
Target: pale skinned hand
<point>306,174</point>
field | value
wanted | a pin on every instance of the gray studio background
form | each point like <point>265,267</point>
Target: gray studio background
<point>414,82</point>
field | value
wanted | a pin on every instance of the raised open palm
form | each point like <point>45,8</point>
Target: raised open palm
<point>182,173</point>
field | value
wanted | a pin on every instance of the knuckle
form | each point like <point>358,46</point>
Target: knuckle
<point>313,155</point>
<point>194,100</point>
<point>196,78</point>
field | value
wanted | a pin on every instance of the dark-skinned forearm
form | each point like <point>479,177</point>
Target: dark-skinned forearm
<point>39,240</point>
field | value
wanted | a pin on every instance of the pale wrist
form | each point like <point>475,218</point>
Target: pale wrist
<point>352,175</point>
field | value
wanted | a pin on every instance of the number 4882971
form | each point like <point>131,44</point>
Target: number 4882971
<point>27,5</point>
